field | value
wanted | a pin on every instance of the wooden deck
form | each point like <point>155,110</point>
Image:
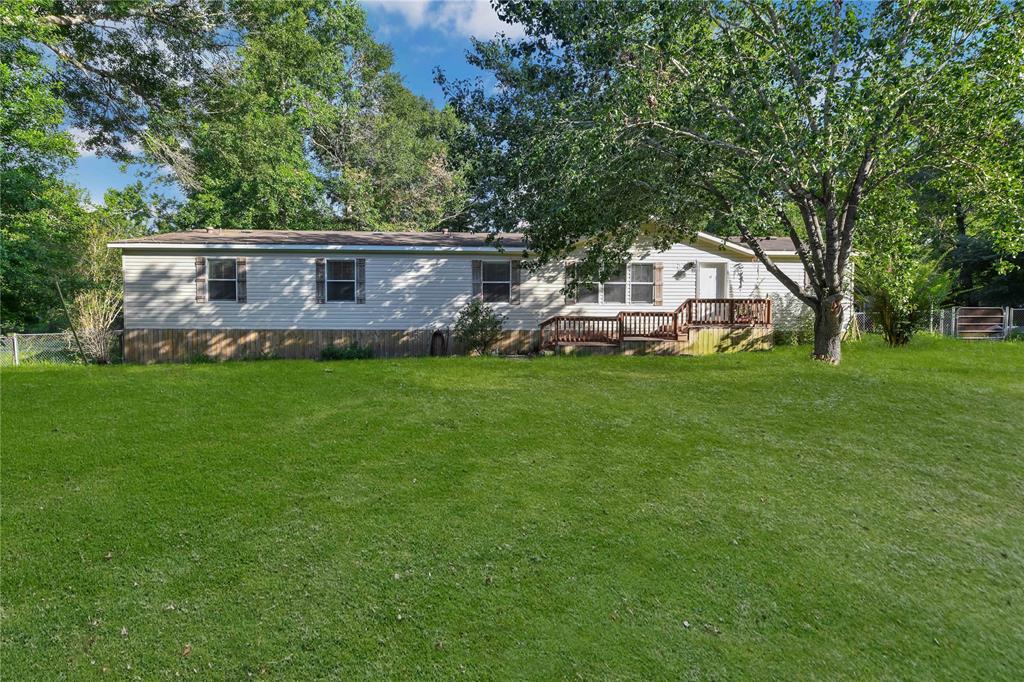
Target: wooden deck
<point>697,326</point>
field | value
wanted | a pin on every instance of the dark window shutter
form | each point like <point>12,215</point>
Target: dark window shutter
<point>200,279</point>
<point>360,280</point>
<point>321,280</point>
<point>569,273</point>
<point>514,289</point>
<point>658,270</point>
<point>240,293</point>
<point>478,279</point>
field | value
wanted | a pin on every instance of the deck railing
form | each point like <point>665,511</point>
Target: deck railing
<point>729,312</point>
<point>694,312</point>
<point>579,329</point>
<point>651,325</point>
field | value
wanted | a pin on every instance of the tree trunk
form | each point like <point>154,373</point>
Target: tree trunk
<point>828,330</point>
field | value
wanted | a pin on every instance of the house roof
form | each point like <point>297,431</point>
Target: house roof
<point>465,240</point>
<point>383,241</point>
<point>769,244</point>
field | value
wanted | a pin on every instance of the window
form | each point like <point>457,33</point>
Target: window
<point>341,280</point>
<point>496,281</point>
<point>615,288</point>
<point>222,280</point>
<point>588,293</point>
<point>632,283</point>
<point>641,287</point>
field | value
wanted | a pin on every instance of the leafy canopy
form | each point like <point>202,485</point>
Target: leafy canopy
<point>624,123</point>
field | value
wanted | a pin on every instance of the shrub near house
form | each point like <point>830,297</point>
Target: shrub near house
<point>478,327</point>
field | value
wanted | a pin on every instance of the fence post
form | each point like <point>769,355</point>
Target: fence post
<point>17,360</point>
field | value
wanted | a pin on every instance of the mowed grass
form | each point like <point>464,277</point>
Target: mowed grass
<point>743,516</point>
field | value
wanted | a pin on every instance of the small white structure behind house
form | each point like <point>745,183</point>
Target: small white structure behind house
<point>232,293</point>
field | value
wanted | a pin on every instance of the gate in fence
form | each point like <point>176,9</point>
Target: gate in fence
<point>980,323</point>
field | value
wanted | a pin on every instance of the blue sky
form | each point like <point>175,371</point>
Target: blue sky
<point>424,34</point>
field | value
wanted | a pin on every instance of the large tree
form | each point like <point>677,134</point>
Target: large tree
<point>118,61</point>
<point>306,126</point>
<point>41,221</point>
<point>268,113</point>
<point>618,124</point>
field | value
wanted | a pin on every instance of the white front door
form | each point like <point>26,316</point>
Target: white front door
<point>711,283</point>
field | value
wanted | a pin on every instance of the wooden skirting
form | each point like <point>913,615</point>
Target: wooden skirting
<point>184,345</point>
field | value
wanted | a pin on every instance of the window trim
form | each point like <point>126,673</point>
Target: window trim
<point>484,281</point>
<point>210,279</point>
<point>328,280</point>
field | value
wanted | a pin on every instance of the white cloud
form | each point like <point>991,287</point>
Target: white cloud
<point>456,17</point>
<point>80,137</point>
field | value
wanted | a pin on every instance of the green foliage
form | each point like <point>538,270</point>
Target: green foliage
<point>305,127</point>
<point>121,61</point>
<point>42,228</point>
<point>353,351</point>
<point>622,125</point>
<point>900,287</point>
<point>268,114</point>
<point>478,326</point>
<point>391,168</point>
<point>40,219</point>
<point>800,334</point>
<point>986,277</point>
<point>124,214</point>
<point>202,359</point>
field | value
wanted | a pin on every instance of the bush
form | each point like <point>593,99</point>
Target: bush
<point>900,290</point>
<point>478,326</point>
<point>202,359</point>
<point>93,314</point>
<point>352,351</point>
<point>798,332</point>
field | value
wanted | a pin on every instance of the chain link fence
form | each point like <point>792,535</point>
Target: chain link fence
<point>1016,325</point>
<point>943,321</point>
<point>58,348</point>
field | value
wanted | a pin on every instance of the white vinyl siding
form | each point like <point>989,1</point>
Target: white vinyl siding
<point>403,291</point>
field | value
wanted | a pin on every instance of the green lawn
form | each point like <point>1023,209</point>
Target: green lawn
<point>743,516</point>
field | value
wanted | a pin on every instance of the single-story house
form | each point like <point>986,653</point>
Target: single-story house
<point>252,293</point>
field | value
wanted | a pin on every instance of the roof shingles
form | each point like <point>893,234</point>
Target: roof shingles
<point>510,241</point>
<point>329,238</point>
